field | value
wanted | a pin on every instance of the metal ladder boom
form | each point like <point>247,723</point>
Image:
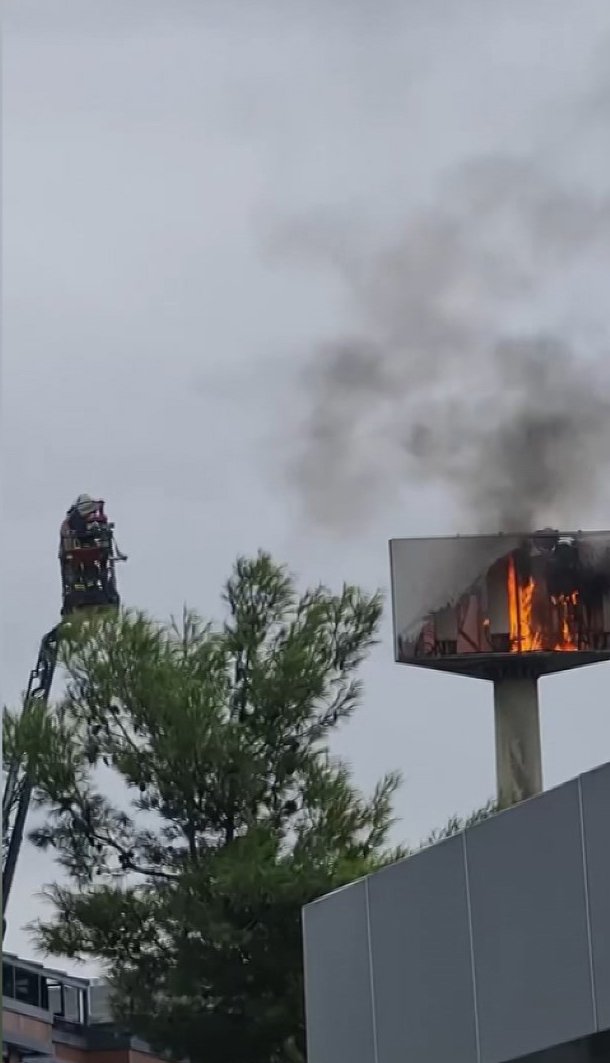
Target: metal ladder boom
<point>18,788</point>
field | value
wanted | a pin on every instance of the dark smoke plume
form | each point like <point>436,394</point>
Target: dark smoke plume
<point>448,377</point>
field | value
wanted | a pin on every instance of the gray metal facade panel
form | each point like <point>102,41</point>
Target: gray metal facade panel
<point>596,820</point>
<point>530,932</point>
<point>422,958</point>
<point>340,1027</point>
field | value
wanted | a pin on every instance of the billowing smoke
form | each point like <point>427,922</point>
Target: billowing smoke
<point>450,375</point>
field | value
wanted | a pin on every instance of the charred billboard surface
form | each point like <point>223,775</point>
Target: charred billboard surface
<point>476,604</point>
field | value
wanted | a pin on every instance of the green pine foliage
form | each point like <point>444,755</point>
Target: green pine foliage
<point>229,812</point>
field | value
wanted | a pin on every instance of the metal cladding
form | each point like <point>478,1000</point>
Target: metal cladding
<point>475,605</point>
<point>486,947</point>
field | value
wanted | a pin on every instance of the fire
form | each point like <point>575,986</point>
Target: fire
<point>525,636</point>
<point>565,606</point>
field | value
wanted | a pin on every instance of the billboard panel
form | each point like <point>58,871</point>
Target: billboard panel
<point>468,604</point>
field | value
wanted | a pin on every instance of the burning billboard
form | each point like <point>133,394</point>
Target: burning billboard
<point>478,604</point>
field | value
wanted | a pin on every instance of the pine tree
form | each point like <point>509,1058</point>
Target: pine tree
<point>229,812</point>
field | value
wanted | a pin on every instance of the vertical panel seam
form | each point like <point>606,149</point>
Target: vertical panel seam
<point>585,869</point>
<point>369,938</point>
<point>475,996</point>
<point>306,995</point>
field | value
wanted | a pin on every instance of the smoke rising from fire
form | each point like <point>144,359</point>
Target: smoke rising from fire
<point>449,376</point>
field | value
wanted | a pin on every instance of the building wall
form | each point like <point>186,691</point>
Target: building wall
<point>32,1032</point>
<point>483,948</point>
<point>85,1055</point>
<point>71,1054</point>
<point>26,1027</point>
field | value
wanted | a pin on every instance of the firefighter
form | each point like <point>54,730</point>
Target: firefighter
<point>81,529</point>
<point>84,517</point>
<point>84,514</point>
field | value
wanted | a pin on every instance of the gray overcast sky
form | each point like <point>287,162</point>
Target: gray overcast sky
<point>152,339</point>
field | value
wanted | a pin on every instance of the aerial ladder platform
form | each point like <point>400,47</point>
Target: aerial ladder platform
<point>88,554</point>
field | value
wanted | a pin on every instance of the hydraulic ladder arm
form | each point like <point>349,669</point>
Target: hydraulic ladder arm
<point>92,586</point>
<point>18,787</point>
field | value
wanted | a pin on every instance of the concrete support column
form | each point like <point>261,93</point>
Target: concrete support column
<point>518,744</point>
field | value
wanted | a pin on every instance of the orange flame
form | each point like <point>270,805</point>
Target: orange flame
<point>525,637</point>
<point>564,604</point>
